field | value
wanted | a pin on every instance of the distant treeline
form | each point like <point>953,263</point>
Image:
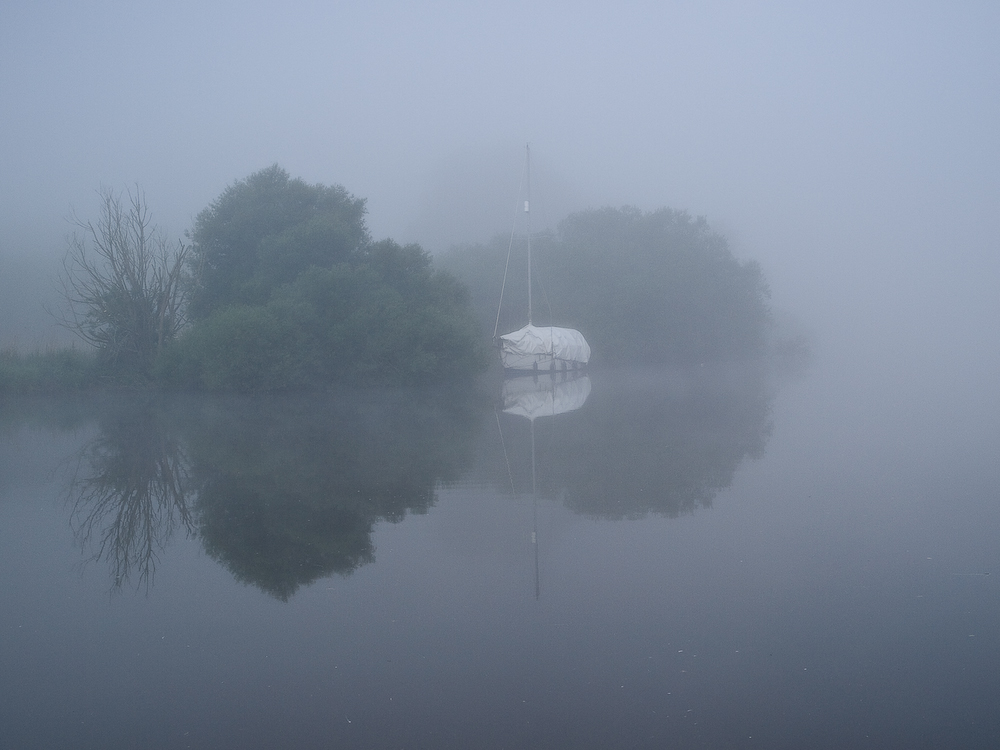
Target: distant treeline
<point>51,371</point>
<point>645,288</point>
<point>281,287</point>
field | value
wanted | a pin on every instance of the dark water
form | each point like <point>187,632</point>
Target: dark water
<point>704,558</point>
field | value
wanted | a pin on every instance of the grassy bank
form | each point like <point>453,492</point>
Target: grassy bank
<point>51,371</point>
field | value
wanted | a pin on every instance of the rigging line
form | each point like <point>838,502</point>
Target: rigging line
<point>510,245</point>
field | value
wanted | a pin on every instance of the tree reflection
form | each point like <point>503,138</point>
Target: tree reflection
<point>284,490</point>
<point>130,491</point>
<point>290,488</point>
<point>280,490</point>
<point>664,442</point>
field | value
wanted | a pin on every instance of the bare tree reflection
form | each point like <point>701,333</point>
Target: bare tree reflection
<point>131,493</point>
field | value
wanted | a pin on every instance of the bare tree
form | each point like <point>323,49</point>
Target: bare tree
<point>122,282</point>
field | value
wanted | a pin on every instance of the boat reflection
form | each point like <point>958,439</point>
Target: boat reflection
<point>539,396</point>
<point>627,444</point>
<point>544,395</point>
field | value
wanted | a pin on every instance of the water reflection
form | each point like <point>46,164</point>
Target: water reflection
<point>545,395</point>
<point>131,490</point>
<point>289,489</point>
<point>637,443</point>
<point>283,491</point>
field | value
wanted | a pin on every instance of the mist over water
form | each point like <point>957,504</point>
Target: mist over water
<point>718,555</point>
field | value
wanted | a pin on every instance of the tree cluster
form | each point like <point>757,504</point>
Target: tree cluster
<point>281,288</point>
<point>263,232</point>
<point>289,291</point>
<point>644,287</point>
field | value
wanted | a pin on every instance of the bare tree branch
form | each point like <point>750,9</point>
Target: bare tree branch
<point>121,283</point>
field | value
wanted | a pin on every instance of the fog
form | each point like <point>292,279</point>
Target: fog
<point>726,555</point>
<point>851,150</point>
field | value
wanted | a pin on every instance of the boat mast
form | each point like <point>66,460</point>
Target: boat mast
<point>534,512</point>
<point>527,217</point>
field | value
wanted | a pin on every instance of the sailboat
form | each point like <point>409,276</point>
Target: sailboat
<point>537,348</point>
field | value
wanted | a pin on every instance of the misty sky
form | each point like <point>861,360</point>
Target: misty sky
<point>852,148</point>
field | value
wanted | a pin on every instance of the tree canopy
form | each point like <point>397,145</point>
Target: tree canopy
<point>289,291</point>
<point>266,229</point>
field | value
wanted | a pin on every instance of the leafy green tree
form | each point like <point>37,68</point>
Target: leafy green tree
<point>239,348</point>
<point>644,287</point>
<point>387,318</point>
<point>290,292</point>
<point>263,231</point>
<point>659,286</point>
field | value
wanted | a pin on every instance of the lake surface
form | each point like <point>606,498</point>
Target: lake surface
<point>713,557</point>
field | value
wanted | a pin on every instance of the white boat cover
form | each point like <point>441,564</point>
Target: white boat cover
<point>545,395</point>
<point>543,347</point>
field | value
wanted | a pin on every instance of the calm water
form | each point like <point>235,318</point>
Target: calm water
<point>706,558</point>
